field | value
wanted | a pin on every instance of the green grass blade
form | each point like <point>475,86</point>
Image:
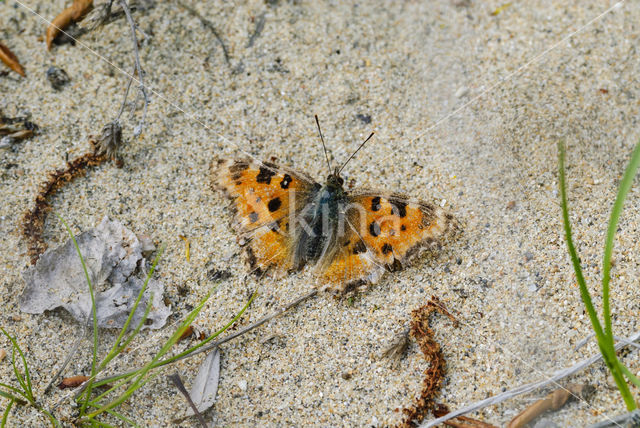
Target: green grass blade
<point>117,346</point>
<point>93,301</point>
<point>25,382</point>
<point>214,335</point>
<point>606,346</point>
<point>13,389</point>
<point>12,397</point>
<point>623,190</point>
<point>582,284</point>
<point>139,381</point>
<point>94,360</point>
<point>5,415</point>
<point>632,378</point>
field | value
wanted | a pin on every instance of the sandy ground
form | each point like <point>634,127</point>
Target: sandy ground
<point>457,119</point>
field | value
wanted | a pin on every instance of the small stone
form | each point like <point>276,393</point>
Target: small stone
<point>364,118</point>
<point>57,77</point>
<point>3,354</point>
<point>511,205</point>
<point>16,317</point>
<point>346,375</point>
<point>528,256</point>
<point>242,385</point>
<point>462,91</point>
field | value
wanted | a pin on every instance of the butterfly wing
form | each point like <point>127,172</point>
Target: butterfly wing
<point>265,198</point>
<point>382,233</point>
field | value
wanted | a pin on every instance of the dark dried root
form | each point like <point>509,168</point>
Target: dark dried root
<point>33,220</point>
<point>434,375</point>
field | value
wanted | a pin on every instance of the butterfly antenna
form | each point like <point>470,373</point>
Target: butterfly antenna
<point>326,154</point>
<point>354,153</point>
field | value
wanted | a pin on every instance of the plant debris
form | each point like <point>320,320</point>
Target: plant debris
<point>205,385</point>
<point>72,14</point>
<point>553,401</point>
<point>13,130</point>
<point>107,12</point>
<point>33,221</point>
<point>460,421</point>
<point>11,60</point>
<point>110,139</point>
<point>434,375</point>
<point>72,382</point>
<point>112,254</point>
<point>57,77</point>
<point>175,378</point>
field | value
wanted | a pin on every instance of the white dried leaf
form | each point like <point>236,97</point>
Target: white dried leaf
<point>111,253</point>
<point>205,386</point>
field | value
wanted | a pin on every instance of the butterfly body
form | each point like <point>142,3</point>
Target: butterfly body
<point>287,221</point>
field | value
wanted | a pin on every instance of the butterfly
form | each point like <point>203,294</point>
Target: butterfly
<point>286,220</point>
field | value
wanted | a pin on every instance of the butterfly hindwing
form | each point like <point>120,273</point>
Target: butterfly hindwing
<point>265,197</point>
<point>383,232</point>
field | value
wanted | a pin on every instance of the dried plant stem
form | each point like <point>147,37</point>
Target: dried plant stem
<point>523,389</point>
<point>211,27</point>
<point>142,88</point>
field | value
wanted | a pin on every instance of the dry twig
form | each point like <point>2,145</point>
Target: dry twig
<point>523,389</point>
<point>141,87</point>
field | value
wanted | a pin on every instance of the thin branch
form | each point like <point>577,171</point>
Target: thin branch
<point>72,352</point>
<point>175,378</point>
<point>211,27</point>
<point>143,90</point>
<point>631,418</point>
<point>523,389</point>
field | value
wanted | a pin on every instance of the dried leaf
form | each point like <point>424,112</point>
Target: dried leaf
<point>73,13</point>
<point>111,253</point>
<point>10,60</point>
<point>72,382</point>
<point>205,386</point>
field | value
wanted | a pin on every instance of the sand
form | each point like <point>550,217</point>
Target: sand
<point>461,115</point>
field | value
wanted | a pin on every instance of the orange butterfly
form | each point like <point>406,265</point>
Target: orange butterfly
<point>286,220</point>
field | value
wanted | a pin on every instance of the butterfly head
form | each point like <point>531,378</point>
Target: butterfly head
<point>334,181</point>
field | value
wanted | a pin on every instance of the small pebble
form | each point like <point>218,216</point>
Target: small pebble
<point>242,385</point>
<point>57,77</point>
<point>461,92</point>
<point>3,354</point>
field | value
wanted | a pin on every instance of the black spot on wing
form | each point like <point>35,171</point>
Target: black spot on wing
<point>264,175</point>
<point>253,216</point>
<point>403,227</point>
<point>359,247</point>
<point>375,203</point>
<point>386,249</point>
<point>274,204</point>
<point>238,166</point>
<point>286,180</point>
<point>399,208</point>
<point>374,228</point>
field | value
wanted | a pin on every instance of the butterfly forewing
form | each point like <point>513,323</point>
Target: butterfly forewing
<point>265,198</point>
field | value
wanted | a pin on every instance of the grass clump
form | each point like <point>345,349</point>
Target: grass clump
<point>93,407</point>
<point>604,334</point>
